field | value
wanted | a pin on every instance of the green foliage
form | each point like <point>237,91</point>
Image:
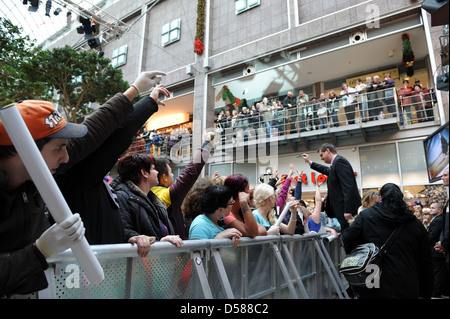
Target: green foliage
<point>408,55</point>
<point>14,51</point>
<point>226,94</point>
<point>75,78</point>
<point>200,33</point>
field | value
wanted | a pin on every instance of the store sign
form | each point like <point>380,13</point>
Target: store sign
<point>314,178</point>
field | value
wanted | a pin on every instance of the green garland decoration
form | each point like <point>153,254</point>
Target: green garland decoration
<point>229,98</point>
<point>408,55</point>
<point>200,34</point>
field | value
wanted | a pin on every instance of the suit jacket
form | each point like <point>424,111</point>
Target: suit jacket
<point>434,231</point>
<point>445,229</point>
<point>343,195</point>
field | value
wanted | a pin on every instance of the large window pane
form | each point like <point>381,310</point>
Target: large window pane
<point>241,5</point>
<point>412,161</point>
<point>119,56</point>
<point>170,32</point>
<point>252,3</point>
<point>246,169</point>
<point>165,39</point>
<point>222,169</point>
<point>379,165</point>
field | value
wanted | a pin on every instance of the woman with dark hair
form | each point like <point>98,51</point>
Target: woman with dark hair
<point>192,202</point>
<point>215,204</point>
<point>241,216</point>
<point>144,215</point>
<point>407,271</point>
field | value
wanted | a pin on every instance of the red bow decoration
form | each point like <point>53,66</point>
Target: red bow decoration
<point>198,46</point>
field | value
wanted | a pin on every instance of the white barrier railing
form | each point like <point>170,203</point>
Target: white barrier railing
<point>263,267</point>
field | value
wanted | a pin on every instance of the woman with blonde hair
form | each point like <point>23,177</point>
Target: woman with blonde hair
<point>265,200</point>
<point>368,200</point>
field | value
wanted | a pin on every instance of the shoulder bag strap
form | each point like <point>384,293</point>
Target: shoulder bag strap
<point>390,240</point>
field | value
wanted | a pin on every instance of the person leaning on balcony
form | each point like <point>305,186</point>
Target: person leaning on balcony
<point>322,112</point>
<point>302,110</point>
<point>362,99</point>
<point>25,243</point>
<point>404,95</point>
<point>389,86</point>
<point>418,102</point>
<point>216,204</point>
<point>334,108</point>
<point>428,100</point>
<point>290,103</point>
<point>348,97</point>
<point>376,97</point>
<point>267,116</point>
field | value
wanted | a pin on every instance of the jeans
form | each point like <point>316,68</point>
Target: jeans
<point>364,110</point>
<point>268,128</point>
<point>323,122</point>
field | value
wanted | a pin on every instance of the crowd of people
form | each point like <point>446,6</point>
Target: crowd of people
<point>371,99</point>
<point>144,204</point>
<point>161,143</point>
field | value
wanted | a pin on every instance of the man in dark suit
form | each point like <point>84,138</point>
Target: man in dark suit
<point>441,285</point>
<point>343,198</point>
<point>442,244</point>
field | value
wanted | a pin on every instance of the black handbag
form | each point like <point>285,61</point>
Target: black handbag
<point>355,266</point>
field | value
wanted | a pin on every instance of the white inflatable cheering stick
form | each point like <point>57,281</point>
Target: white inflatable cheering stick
<point>283,213</point>
<point>47,187</point>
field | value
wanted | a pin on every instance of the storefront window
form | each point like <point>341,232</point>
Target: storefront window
<point>412,161</point>
<point>379,165</point>
<point>222,169</point>
<point>247,169</point>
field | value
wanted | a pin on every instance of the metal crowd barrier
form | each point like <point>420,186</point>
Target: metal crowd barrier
<point>299,266</point>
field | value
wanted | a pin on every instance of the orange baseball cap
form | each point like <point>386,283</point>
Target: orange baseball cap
<point>43,120</point>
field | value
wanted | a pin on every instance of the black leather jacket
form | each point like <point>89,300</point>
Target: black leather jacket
<point>23,216</point>
<point>141,214</point>
<point>407,271</point>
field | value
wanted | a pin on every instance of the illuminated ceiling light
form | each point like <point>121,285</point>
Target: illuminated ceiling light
<point>169,120</point>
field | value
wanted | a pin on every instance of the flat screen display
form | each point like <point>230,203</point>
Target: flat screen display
<point>436,153</point>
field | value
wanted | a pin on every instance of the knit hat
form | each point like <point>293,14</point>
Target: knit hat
<point>43,120</point>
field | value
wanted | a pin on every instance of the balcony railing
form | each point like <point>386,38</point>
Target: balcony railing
<point>332,115</point>
<point>379,107</point>
<point>174,146</point>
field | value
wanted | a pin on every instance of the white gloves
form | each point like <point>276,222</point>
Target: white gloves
<point>146,80</point>
<point>62,236</point>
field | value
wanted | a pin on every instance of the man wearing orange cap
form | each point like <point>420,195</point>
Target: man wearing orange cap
<point>26,235</point>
